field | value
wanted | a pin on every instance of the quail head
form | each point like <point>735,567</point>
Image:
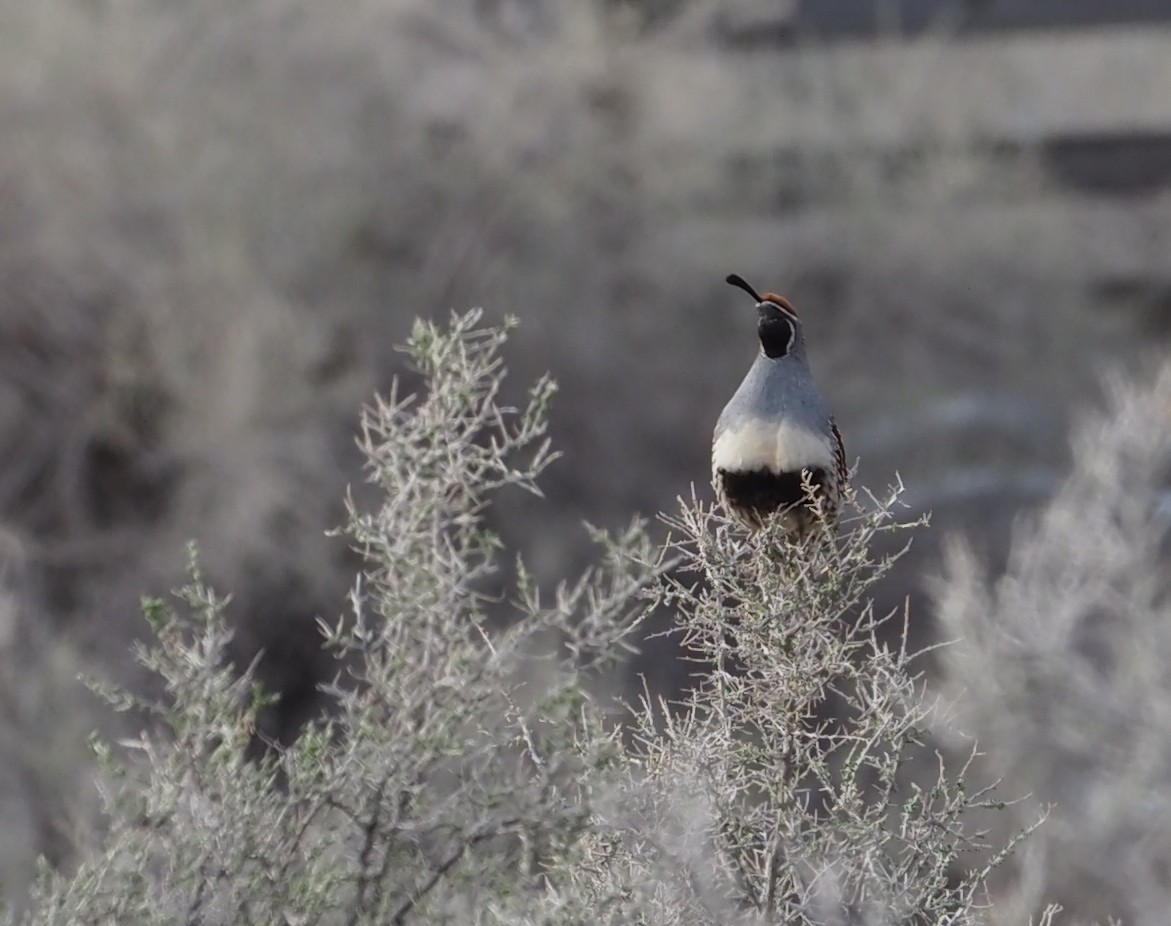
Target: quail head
<point>776,448</point>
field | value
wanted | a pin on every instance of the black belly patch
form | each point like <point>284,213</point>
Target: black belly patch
<point>756,494</point>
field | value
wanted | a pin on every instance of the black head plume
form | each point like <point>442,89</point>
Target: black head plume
<point>738,281</point>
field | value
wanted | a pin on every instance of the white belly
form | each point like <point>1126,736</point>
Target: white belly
<point>781,448</point>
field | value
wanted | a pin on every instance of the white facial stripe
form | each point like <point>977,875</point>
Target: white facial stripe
<point>788,313</point>
<point>760,444</point>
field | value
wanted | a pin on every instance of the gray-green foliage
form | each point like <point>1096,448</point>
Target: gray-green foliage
<point>467,775</point>
<point>795,784</point>
<point>1061,664</point>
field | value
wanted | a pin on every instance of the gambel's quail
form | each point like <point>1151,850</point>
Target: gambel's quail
<point>776,447</point>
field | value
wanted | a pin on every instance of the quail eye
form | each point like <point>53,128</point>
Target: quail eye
<point>776,336</point>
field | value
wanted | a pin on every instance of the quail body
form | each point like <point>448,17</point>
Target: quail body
<point>776,447</point>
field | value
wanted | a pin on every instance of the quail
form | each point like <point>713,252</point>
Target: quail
<point>776,448</point>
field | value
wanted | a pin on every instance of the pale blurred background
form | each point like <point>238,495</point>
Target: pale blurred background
<point>218,217</point>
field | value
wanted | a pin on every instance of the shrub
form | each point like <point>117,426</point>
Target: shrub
<point>1062,664</point>
<point>470,770</point>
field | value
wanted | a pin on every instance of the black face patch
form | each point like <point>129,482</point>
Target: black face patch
<point>776,335</point>
<point>756,494</point>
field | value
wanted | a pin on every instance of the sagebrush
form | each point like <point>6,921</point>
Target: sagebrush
<point>1060,664</point>
<point>468,771</point>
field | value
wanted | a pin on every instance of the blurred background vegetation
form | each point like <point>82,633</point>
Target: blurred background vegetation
<point>217,219</point>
